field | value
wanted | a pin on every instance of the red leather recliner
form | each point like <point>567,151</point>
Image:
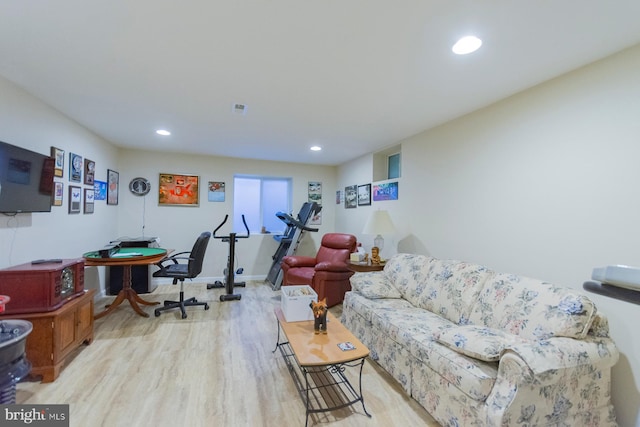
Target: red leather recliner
<point>327,273</point>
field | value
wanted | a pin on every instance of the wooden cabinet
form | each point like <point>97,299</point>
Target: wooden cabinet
<point>57,333</point>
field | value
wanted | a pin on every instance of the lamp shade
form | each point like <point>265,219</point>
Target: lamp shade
<point>379,222</point>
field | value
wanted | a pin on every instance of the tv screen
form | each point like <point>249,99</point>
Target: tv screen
<point>26,180</point>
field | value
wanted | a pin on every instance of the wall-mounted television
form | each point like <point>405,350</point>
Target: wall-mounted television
<point>26,180</point>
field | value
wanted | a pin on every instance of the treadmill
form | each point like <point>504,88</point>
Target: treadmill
<point>291,238</point>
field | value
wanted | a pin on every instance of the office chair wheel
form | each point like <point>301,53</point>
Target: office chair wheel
<point>206,306</point>
<point>184,315</point>
<point>157,313</point>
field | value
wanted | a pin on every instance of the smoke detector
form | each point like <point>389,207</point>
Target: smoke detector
<point>239,109</point>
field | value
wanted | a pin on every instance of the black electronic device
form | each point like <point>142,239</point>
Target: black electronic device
<point>109,250</point>
<point>229,281</point>
<point>26,180</point>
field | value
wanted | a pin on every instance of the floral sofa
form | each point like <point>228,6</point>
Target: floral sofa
<point>480,348</point>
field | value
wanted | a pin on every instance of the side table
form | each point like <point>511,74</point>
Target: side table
<point>363,267</point>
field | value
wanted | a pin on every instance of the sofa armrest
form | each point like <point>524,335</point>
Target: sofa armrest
<point>563,353</point>
<point>576,377</point>
<point>299,261</point>
<point>374,285</point>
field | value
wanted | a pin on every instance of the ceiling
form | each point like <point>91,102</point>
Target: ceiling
<point>353,76</point>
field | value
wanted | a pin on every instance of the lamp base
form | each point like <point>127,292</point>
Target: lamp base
<point>378,242</point>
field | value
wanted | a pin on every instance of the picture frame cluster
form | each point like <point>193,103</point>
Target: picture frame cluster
<point>83,189</point>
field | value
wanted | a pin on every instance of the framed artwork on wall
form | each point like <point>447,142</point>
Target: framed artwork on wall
<point>75,167</point>
<point>178,190</point>
<point>216,191</point>
<point>58,191</point>
<point>99,190</point>
<point>113,186</point>
<point>89,194</point>
<point>364,195</point>
<point>58,159</point>
<point>75,199</point>
<point>351,196</point>
<point>89,171</point>
<point>314,191</point>
<point>385,191</point>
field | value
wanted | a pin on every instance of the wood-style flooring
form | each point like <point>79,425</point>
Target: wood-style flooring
<point>215,368</point>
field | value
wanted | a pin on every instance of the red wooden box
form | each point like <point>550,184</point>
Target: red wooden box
<point>35,288</point>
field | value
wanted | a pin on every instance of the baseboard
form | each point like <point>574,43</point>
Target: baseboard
<point>201,279</point>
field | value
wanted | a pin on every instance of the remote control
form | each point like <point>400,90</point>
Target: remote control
<point>47,261</point>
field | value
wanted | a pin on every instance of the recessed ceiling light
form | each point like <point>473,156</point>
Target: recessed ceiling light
<point>163,132</point>
<point>466,45</point>
<point>316,148</point>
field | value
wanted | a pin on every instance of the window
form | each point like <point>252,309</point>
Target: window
<point>393,166</point>
<point>387,164</point>
<point>259,199</point>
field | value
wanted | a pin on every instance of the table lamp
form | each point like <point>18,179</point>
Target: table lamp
<point>379,223</point>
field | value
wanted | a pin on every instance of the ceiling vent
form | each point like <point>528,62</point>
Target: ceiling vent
<point>239,109</point>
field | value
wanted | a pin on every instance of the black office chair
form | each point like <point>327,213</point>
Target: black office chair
<point>171,267</point>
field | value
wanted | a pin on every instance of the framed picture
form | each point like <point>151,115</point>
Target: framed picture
<point>351,196</point>
<point>58,159</point>
<point>178,190</point>
<point>385,191</point>
<point>314,190</point>
<point>58,189</point>
<point>364,195</point>
<point>99,190</point>
<point>89,171</point>
<point>89,194</point>
<point>113,186</point>
<point>216,191</point>
<point>75,199</point>
<point>75,167</point>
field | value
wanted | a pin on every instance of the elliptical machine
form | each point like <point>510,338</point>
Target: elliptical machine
<point>229,281</point>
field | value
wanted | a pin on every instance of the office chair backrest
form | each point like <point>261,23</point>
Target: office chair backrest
<point>197,254</point>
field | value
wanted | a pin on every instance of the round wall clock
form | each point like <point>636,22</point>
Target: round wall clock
<point>139,186</point>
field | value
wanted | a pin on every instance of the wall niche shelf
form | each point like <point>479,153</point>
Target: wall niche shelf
<point>611,291</point>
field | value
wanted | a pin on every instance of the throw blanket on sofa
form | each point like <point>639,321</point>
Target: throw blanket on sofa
<point>477,347</point>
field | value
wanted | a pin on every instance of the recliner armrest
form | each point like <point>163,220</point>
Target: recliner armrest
<point>332,266</point>
<point>299,261</point>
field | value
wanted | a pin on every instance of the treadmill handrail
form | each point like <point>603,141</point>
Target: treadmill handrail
<point>289,220</point>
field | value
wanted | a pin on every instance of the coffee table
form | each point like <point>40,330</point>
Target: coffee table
<point>317,365</point>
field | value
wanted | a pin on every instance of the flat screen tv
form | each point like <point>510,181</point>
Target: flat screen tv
<point>26,180</point>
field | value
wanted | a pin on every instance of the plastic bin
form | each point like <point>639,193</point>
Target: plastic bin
<point>13,360</point>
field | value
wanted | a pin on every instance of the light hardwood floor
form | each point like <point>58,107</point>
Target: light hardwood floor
<point>215,368</point>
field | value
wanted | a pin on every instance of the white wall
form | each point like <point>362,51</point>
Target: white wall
<point>27,122</point>
<point>178,226</point>
<point>543,184</point>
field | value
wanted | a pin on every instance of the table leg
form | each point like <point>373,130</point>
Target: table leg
<point>128,293</point>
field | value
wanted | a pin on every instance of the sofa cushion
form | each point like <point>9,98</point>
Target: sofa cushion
<point>373,285</point>
<point>405,324</point>
<point>532,308</point>
<point>366,307</point>
<point>478,342</point>
<point>405,272</point>
<point>450,289</point>
<point>473,377</point>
